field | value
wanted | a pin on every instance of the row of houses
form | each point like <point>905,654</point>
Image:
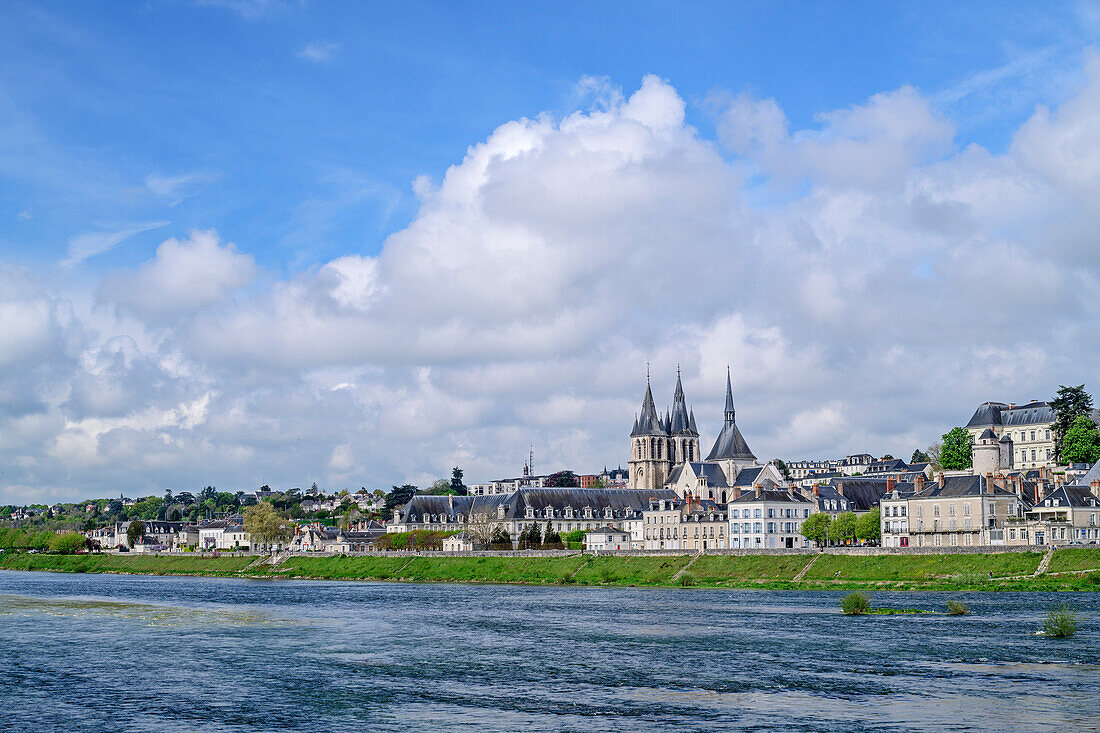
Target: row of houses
<point>1034,507</point>
<point>229,535</point>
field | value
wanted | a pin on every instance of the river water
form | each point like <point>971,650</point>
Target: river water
<point>131,653</point>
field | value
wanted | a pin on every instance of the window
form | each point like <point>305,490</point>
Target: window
<point>951,510</point>
<point>966,509</point>
<point>935,510</point>
<point>903,510</point>
<point>771,513</point>
<point>756,513</point>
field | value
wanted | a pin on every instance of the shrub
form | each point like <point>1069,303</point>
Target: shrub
<point>687,580</point>
<point>855,604</point>
<point>955,608</point>
<point>1060,622</point>
<point>68,543</point>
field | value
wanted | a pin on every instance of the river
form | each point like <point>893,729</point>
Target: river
<point>133,653</point>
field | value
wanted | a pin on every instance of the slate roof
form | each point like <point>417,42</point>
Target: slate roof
<point>987,434</point>
<point>716,477</point>
<point>770,494</point>
<point>961,486</point>
<point>648,422</point>
<point>861,494</point>
<point>621,502</point>
<point>1069,496</point>
<point>730,444</point>
<point>1089,476</point>
<point>998,413</point>
<point>747,476</point>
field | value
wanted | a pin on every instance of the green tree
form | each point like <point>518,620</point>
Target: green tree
<point>815,528</point>
<point>441,487</point>
<point>958,445</point>
<point>920,456</point>
<point>135,532</point>
<point>549,536</point>
<point>868,526</point>
<point>1068,404</point>
<point>888,457</point>
<point>399,496</point>
<point>782,466</point>
<point>1081,443</point>
<point>562,479</point>
<point>843,528</point>
<point>456,482</point>
<point>68,543</point>
<point>265,526</point>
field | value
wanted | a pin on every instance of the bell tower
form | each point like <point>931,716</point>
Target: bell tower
<point>650,460</point>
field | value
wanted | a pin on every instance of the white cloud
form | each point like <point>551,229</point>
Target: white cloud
<point>90,244</point>
<point>868,307</point>
<point>184,275</point>
<point>319,51</point>
<point>179,187</point>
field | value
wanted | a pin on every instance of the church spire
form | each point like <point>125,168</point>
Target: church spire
<point>729,397</point>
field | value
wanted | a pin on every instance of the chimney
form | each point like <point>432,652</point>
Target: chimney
<point>918,482</point>
<point>1095,486</point>
<point>759,491</point>
<point>1011,405</point>
<point>735,493</point>
<point>939,479</point>
<point>817,489</point>
<point>891,482</point>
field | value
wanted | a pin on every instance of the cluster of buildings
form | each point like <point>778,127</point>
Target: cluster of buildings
<point>229,535</point>
<point>675,498</point>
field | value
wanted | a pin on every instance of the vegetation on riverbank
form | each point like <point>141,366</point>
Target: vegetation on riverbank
<point>1011,571</point>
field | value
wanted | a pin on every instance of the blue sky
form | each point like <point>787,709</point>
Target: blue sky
<point>300,126</point>
<point>358,244</point>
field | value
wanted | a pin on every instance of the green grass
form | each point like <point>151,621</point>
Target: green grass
<point>146,565</point>
<point>607,570</point>
<point>833,572</point>
<point>341,567</point>
<point>1074,558</point>
<point>492,569</point>
<point>922,567</point>
<point>731,570</point>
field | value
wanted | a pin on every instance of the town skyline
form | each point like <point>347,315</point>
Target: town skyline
<point>339,265</point>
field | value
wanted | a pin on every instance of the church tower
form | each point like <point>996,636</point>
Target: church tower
<point>649,447</point>
<point>730,450</point>
<point>683,435</point>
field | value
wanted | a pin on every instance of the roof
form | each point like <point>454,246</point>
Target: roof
<point>716,477</point>
<point>606,530</point>
<point>1071,496</point>
<point>987,434</point>
<point>1086,479</point>
<point>862,494</point>
<point>961,486</point>
<point>747,476</point>
<point>515,504</point>
<point>770,494</point>
<point>648,422</point>
<point>998,413</point>
<point>730,444</point>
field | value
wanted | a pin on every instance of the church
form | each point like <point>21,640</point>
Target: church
<point>665,453</point>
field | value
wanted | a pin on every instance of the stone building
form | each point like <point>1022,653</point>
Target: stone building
<point>685,523</point>
<point>768,517</point>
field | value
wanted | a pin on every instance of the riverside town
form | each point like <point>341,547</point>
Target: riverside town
<point>1016,477</point>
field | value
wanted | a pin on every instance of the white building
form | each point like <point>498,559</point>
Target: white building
<point>607,538</point>
<point>768,517</point>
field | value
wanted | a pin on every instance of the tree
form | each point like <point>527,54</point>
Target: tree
<point>815,528</point>
<point>399,496</point>
<point>265,526</point>
<point>563,479</point>
<point>440,487</point>
<point>920,456</point>
<point>955,455</point>
<point>868,526</point>
<point>549,536</point>
<point>887,457</point>
<point>1068,404</point>
<point>68,543</point>
<point>782,466</point>
<point>1081,443</point>
<point>456,482</point>
<point>843,528</point>
<point>135,532</point>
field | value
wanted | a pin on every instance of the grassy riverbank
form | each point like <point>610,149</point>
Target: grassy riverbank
<point>1075,569</point>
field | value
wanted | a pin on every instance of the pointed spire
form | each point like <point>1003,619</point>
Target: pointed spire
<point>730,414</point>
<point>691,422</point>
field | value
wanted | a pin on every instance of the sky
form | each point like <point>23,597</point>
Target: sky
<point>358,244</point>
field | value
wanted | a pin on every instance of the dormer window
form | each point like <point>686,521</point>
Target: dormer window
<point>588,512</point>
<point>530,512</point>
<point>568,512</point>
<point>549,511</point>
<point>608,513</point>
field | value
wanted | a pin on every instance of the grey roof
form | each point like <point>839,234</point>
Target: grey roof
<point>987,434</point>
<point>680,419</point>
<point>621,502</point>
<point>770,494</point>
<point>730,443</point>
<point>862,494</point>
<point>1086,479</point>
<point>747,476</point>
<point>715,475</point>
<point>648,422</point>
<point>961,486</point>
<point>1072,496</point>
<point>998,413</point>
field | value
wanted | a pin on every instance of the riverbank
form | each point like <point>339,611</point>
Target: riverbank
<point>1076,569</point>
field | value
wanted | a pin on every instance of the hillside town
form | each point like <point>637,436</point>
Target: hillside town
<point>997,481</point>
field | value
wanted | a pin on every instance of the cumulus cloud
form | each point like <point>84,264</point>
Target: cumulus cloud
<point>184,276</point>
<point>867,281</point>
